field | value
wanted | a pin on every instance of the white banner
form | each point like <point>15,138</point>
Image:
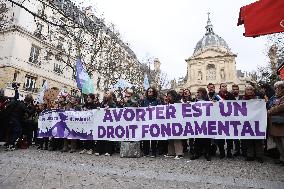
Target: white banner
<point>219,120</point>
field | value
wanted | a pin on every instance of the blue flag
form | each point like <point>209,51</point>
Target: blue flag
<point>146,84</point>
<point>121,83</point>
<point>84,82</point>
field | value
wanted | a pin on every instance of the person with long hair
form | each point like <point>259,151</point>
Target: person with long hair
<point>151,99</point>
<point>106,147</point>
<point>73,104</point>
<point>202,145</point>
<point>57,143</point>
<point>175,148</point>
<point>186,96</point>
<point>91,103</point>
<point>190,142</point>
<point>130,148</point>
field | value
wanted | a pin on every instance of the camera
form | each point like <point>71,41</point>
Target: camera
<point>15,85</point>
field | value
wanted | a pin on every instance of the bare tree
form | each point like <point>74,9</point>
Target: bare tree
<point>275,53</point>
<point>64,21</point>
<point>156,77</point>
<point>78,33</point>
<point>278,40</point>
<point>164,81</point>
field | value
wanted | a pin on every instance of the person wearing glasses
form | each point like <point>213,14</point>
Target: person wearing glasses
<point>130,149</point>
<point>151,99</point>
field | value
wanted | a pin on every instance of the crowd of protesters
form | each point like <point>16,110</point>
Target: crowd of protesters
<point>19,123</point>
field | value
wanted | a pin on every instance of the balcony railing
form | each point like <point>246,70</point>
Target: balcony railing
<point>34,62</point>
<point>58,70</point>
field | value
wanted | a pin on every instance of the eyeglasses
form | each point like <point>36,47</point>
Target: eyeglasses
<point>150,91</point>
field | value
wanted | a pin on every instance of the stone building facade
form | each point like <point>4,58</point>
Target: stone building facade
<point>33,51</point>
<point>212,62</point>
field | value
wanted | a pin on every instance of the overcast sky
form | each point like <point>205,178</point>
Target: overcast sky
<point>170,29</point>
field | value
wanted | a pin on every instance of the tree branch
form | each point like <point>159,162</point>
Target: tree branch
<point>41,17</point>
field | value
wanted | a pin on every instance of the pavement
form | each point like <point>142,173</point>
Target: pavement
<point>32,169</point>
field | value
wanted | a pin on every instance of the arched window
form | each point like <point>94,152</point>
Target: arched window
<point>211,72</point>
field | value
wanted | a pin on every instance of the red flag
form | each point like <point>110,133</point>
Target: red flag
<point>244,11</point>
<point>281,74</point>
<point>262,17</point>
<point>280,71</point>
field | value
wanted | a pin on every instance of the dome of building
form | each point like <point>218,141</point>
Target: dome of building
<point>210,40</point>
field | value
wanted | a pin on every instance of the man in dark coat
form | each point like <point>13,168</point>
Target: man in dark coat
<point>225,95</point>
<point>240,147</point>
<point>4,101</point>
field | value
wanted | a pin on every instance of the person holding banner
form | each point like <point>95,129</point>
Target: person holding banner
<point>224,95</point>
<point>180,94</point>
<point>276,120</point>
<point>106,147</point>
<point>17,110</point>
<point>150,100</point>
<point>29,125</point>
<point>72,104</point>
<point>211,92</point>
<point>187,99</point>
<point>57,143</point>
<point>91,103</point>
<point>130,149</point>
<point>175,148</point>
<point>42,142</point>
<point>202,144</point>
<point>254,146</point>
<point>240,148</point>
<point>4,102</point>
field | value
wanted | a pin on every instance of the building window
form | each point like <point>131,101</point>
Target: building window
<point>58,57</point>
<point>30,83</point>
<point>57,68</point>
<point>34,54</point>
<point>48,56</point>
<point>43,82</point>
<point>39,28</point>
<point>60,43</point>
<point>15,76</point>
<point>211,72</point>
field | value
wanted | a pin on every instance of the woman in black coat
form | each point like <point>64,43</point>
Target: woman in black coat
<point>202,145</point>
<point>150,100</point>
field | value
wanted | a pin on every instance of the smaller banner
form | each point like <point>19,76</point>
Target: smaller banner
<point>219,120</point>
